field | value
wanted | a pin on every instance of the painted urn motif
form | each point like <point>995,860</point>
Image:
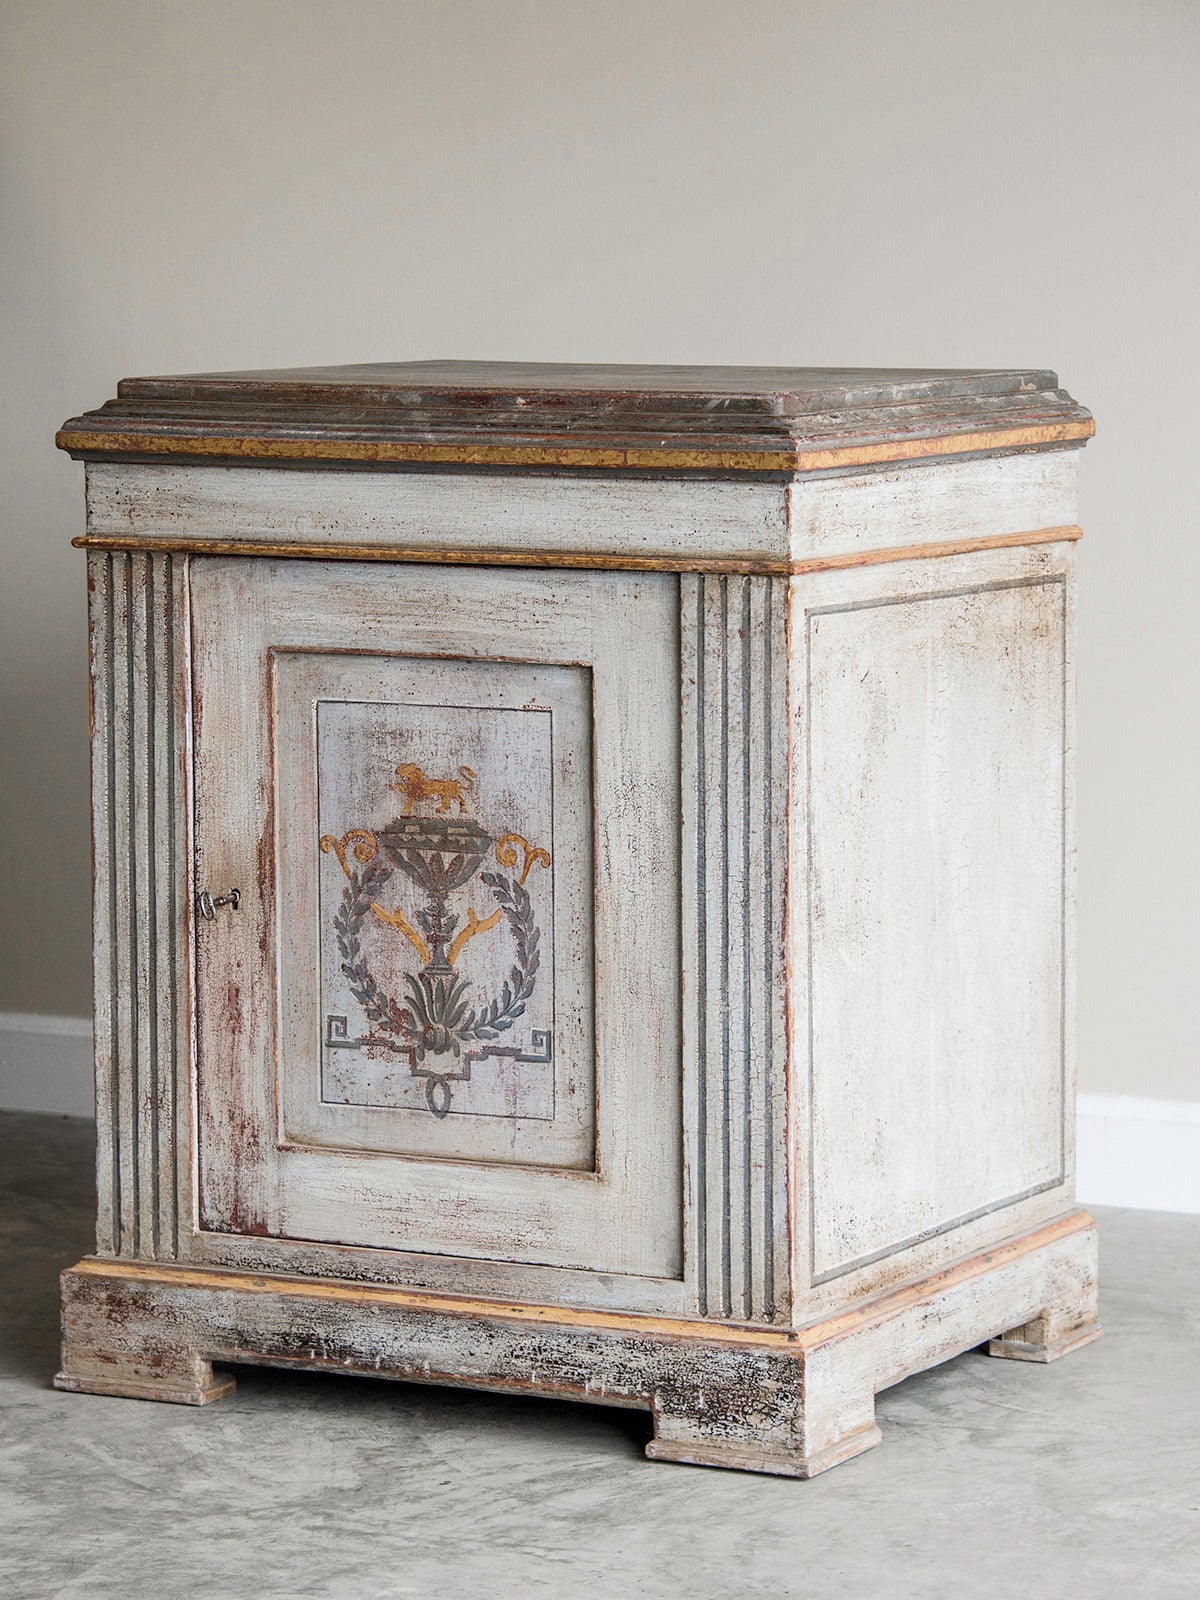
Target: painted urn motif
<point>439,1023</point>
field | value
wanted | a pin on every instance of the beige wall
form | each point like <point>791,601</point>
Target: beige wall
<point>198,184</point>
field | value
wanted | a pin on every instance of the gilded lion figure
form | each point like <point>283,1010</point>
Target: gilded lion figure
<point>416,787</point>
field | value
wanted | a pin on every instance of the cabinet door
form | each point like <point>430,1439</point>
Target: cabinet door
<point>444,1016</point>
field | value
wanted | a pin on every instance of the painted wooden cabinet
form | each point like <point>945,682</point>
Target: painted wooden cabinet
<point>584,876</point>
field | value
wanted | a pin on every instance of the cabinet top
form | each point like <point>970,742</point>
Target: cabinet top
<point>528,416</point>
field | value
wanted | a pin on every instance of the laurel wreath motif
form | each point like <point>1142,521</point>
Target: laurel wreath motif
<point>514,901</point>
<point>437,1016</point>
<point>381,1008</point>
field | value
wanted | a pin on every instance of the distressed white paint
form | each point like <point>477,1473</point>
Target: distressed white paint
<point>624,1217</point>
<point>931,910</point>
<point>900,746</point>
<point>735,774</point>
<point>142,903</point>
<point>457,511</point>
<point>522,734</point>
<point>973,498</point>
<point>935,793</point>
<point>795,1405</point>
<point>812,518</point>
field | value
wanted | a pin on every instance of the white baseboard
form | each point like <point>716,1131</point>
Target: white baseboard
<point>46,1064</point>
<point>1140,1153</point>
<point>1131,1152</point>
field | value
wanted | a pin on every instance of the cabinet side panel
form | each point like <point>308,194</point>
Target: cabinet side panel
<point>938,839</point>
<point>735,794</point>
<point>141,902</point>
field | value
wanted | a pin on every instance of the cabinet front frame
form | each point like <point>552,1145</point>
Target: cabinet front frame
<point>627,613</point>
<point>145,1103</point>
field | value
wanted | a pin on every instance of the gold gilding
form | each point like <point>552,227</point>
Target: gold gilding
<point>794,458</point>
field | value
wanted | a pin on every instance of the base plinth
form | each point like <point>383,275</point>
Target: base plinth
<point>788,1401</point>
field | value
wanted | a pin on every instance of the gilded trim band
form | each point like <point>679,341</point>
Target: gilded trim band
<point>748,566</point>
<point>502,1311</point>
<point>634,459</point>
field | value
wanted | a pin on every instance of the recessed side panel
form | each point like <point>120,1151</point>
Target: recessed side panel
<point>937,849</point>
<point>435,873</point>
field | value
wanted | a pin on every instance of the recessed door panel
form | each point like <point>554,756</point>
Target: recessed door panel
<point>436,864</point>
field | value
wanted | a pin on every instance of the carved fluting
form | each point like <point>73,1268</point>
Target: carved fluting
<point>142,903</point>
<point>734,664</point>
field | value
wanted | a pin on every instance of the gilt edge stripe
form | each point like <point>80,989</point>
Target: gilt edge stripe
<point>587,560</point>
<point>798,1340</point>
<point>385,451</point>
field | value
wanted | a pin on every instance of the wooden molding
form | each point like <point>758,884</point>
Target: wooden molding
<point>386,452</point>
<point>752,566</point>
<point>520,416</point>
<point>770,1400</point>
<point>307,551</point>
<point>879,1309</point>
<point>892,450</point>
<point>949,547</point>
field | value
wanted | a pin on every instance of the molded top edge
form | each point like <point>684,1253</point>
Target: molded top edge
<point>480,386</point>
<point>526,415</point>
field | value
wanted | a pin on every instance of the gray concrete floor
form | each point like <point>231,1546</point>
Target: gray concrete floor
<point>994,1478</point>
